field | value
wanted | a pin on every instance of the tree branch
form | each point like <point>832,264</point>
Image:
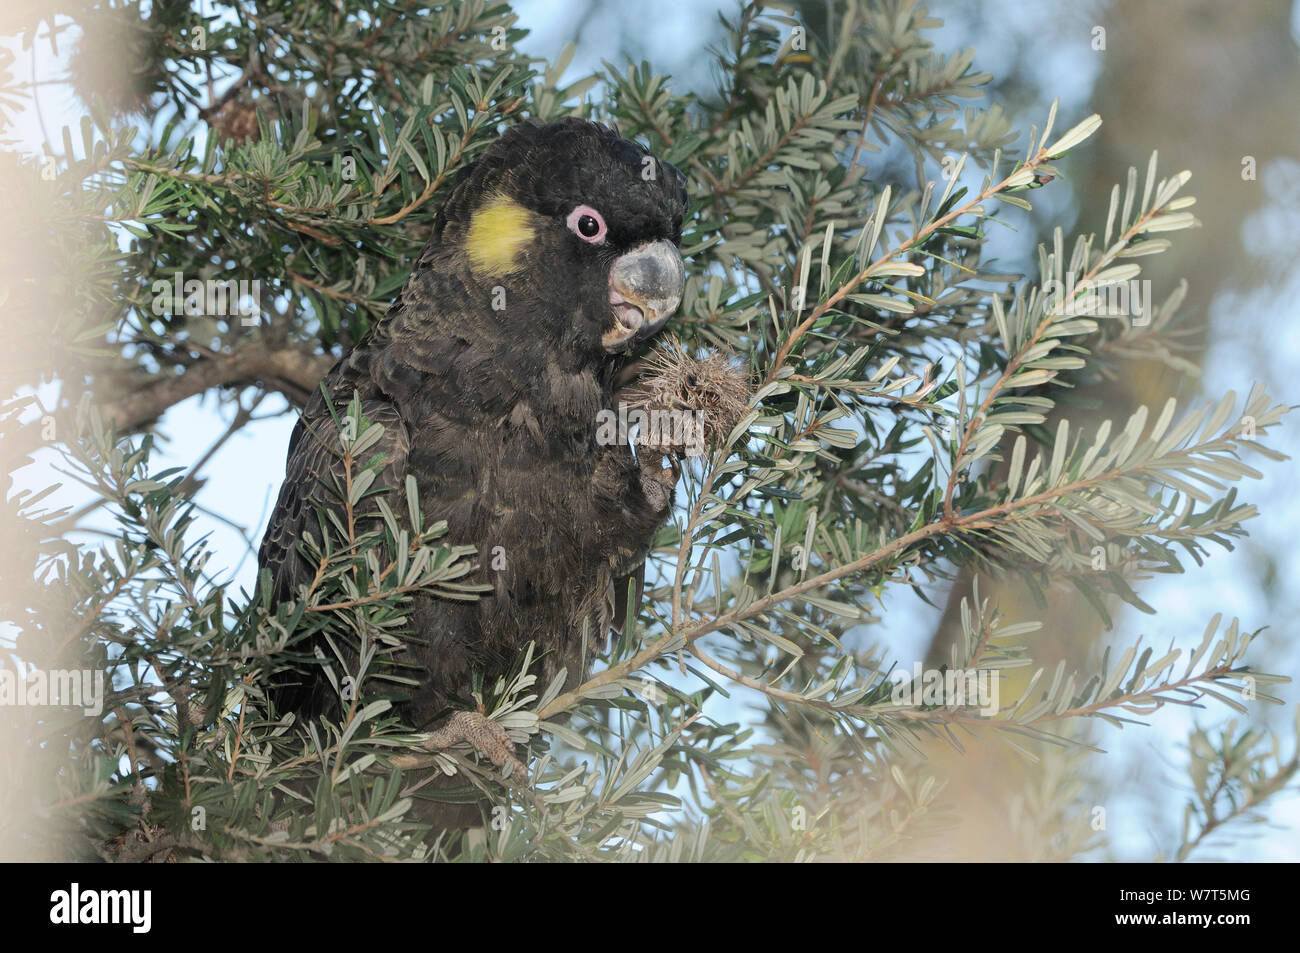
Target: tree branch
<point>291,371</point>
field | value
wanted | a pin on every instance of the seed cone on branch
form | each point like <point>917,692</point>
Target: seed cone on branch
<point>235,119</point>
<point>703,397</point>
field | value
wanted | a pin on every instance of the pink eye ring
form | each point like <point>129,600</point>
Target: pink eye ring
<point>588,224</point>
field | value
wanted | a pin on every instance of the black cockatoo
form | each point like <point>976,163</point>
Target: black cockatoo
<point>553,260</point>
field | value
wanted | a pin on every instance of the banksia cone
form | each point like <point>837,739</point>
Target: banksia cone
<point>236,120</point>
<point>689,403</point>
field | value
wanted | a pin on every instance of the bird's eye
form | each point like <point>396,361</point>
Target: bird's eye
<point>585,222</point>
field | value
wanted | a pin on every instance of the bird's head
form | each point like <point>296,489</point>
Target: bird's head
<point>581,225</point>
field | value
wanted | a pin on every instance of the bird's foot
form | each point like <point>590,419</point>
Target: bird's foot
<point>488,738</point>
<point>659,481</point>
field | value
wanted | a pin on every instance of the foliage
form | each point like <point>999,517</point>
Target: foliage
<point>900,433</point>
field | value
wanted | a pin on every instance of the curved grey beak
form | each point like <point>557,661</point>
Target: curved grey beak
<point>645,287</point>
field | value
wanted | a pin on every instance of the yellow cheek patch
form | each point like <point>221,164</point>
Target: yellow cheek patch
<point>498,232</point>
